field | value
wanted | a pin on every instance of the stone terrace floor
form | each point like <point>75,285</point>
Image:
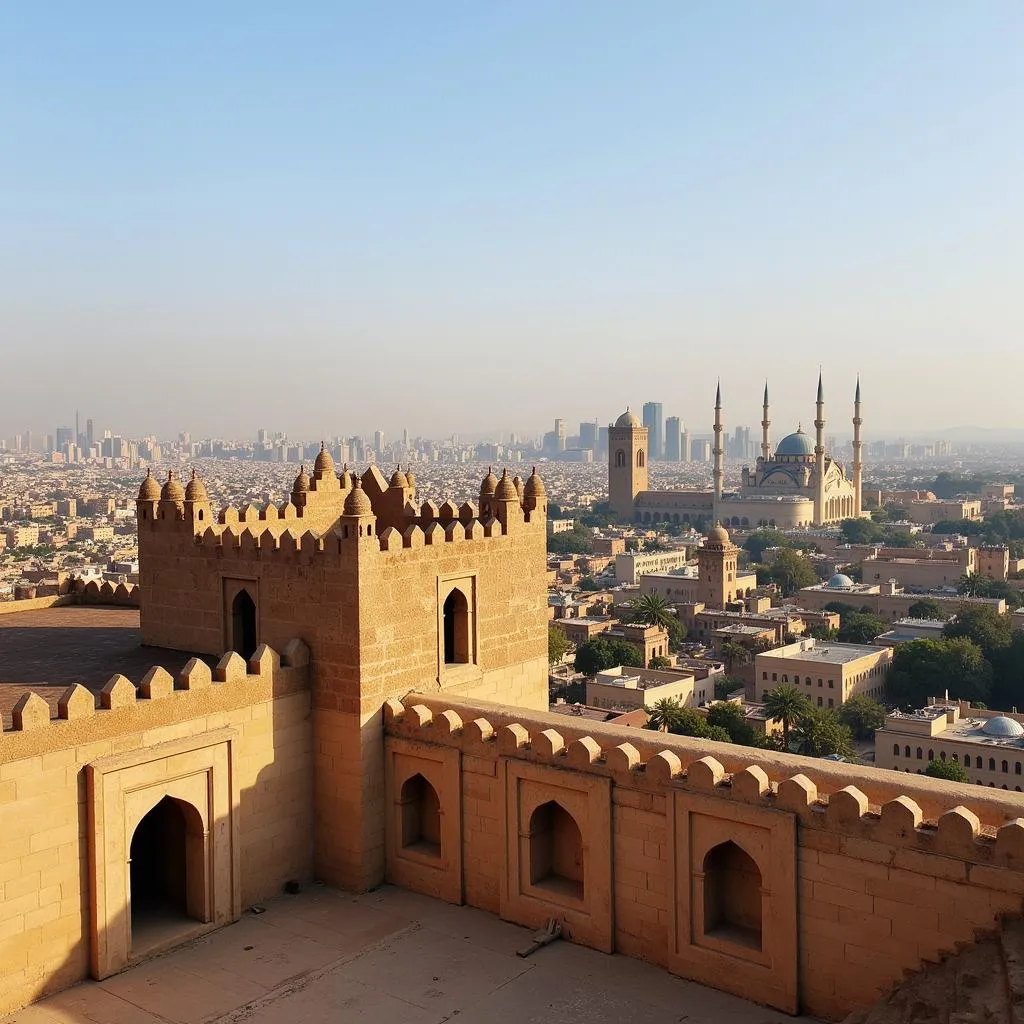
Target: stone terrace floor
<point>47,650</point>
<point>389,957</point>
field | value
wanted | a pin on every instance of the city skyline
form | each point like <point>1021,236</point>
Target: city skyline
<point>507,214</point>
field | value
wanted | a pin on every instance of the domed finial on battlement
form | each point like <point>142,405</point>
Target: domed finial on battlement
<point>489,484</point>
<point>149,490</point>
<point>398,478</point>
<point>505,491</point>
<point>301,484</point>
<point>196,490</point>
<point>172,490</point>
<point>357,503</point>
<point>324,464</point>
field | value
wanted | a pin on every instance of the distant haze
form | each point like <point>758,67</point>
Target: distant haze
<point>472,217</point>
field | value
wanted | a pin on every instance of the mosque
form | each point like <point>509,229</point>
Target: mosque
<point>797,484</point>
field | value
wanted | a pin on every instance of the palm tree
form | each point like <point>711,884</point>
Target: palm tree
<point>664,714</point>
<point>651,610</point>
<point>735,654</point>
<point>786,704</point>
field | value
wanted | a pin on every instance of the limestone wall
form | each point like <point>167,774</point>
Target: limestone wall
<point>860,874</point>
<point>53,927</point>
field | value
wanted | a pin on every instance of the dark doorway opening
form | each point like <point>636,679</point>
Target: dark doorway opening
<point>732,896</point>
<point>456,628</point>
<point>556,851</point>
<point>421,817</point>
<point>166,874</point>
<point>243,624</point>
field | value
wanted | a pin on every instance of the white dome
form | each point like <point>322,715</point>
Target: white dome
<point>1003,727</point>
<point>627,419</point>
<point>840,582</point>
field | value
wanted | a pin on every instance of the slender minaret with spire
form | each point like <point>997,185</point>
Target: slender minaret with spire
<point>719,452</point>
<point>858,465</point>
<point>819,457</point>
<point>766,449</point>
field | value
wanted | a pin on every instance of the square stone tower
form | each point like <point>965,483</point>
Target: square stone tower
<point>627,464</point>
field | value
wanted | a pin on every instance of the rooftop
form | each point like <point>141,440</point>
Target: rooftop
<point>393,957</point>
<point>828,653</point>
<point>47,650</point>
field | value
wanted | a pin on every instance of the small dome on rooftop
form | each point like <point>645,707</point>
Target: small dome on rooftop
<point>172,490</point>
<point>1003,728</point>
<point>357,503</point>
<point>301,481</point>
<point>718,534</point>
<point>627,419</point>
<point>149,490</point>
<point>840,582</point>
<point>195,489</point>
<point>398,478</point>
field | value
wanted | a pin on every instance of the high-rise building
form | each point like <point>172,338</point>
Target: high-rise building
<point>261,435</point>
<point>89,433</point>
<point>560,435</point>
<point>64,436</point>
<point>378,442</point>
<point>684,445</point>
<point>588,435</point>
<point>673,437</point>
<point>602,440</point>
<point>700,450</point>
<point>655,429</point>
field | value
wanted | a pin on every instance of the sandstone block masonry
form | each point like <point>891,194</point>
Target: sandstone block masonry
<point>228,753</point>
<point>806,886</point>
<point>388,594</point>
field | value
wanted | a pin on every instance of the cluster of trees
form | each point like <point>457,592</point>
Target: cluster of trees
<point>577,541</point>
<point>868,531</point>
<point>605,652</point>
<point>855,626</point>
<point>558,645</point>
<point>816,732</point>
<point>984,586</point>
<point>1005,527</point>
<point>980,658</point>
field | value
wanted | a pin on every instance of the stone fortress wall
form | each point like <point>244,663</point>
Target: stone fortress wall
<point>232,748</point>
<point>379,588</point>
<point>807,886</point>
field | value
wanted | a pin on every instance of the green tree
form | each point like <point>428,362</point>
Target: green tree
<point>790,571</point>
<point>730,717</point>
<point>650,610</point>
<point>726,685</point>
<point>660,662</point>
<point>596,655</point>
<point>558,645</point>
<point>664,714</point>
<point>818,733</point>
<point>861,531</point>
<point>951,771</point>
<point>840,608</point>
<point>785,703</point>
<point>859,628</point>
<point>589,585</point>
<point>929,668</point>
<point>577,541</point>
<point>863,716</point>
<point>734,654</point>
<point>760,540</point>
<point>718,734</point>
<point>981,625</point>
<point>926,608</point>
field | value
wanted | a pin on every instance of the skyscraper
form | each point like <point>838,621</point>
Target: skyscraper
<point>673,437</point>
<point>89,433</point>
<point>588,435</point>
<point>655,429</point>
<point>559,435</point>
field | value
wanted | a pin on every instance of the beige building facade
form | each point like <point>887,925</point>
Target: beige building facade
<point>624,689</point>
<point>828,673</point>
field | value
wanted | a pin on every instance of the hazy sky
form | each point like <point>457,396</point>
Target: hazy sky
<point>330,217</point>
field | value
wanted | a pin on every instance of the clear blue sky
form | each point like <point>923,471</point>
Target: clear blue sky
<point>329,217</point>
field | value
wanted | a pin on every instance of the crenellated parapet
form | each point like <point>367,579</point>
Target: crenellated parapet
<point>159,699</point>
<point>878,810</point>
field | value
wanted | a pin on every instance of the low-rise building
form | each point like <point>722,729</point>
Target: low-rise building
<point>906,630</point>
<point>828,673</point>
<point>989,745</point>
<point>631,565</point>
<point>625,688</point>
<point>22,536</point>
<point>887,600</point>
<point>560,526</point>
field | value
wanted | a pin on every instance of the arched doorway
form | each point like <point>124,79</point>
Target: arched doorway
<point>421,817</point>
<point>732,896</point>
<point>556,850</point>
<point>455,615</point>
<point>167,873</point>
<point>243,624</point>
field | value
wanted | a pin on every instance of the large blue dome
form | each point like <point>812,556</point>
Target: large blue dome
<point>795,444</point>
